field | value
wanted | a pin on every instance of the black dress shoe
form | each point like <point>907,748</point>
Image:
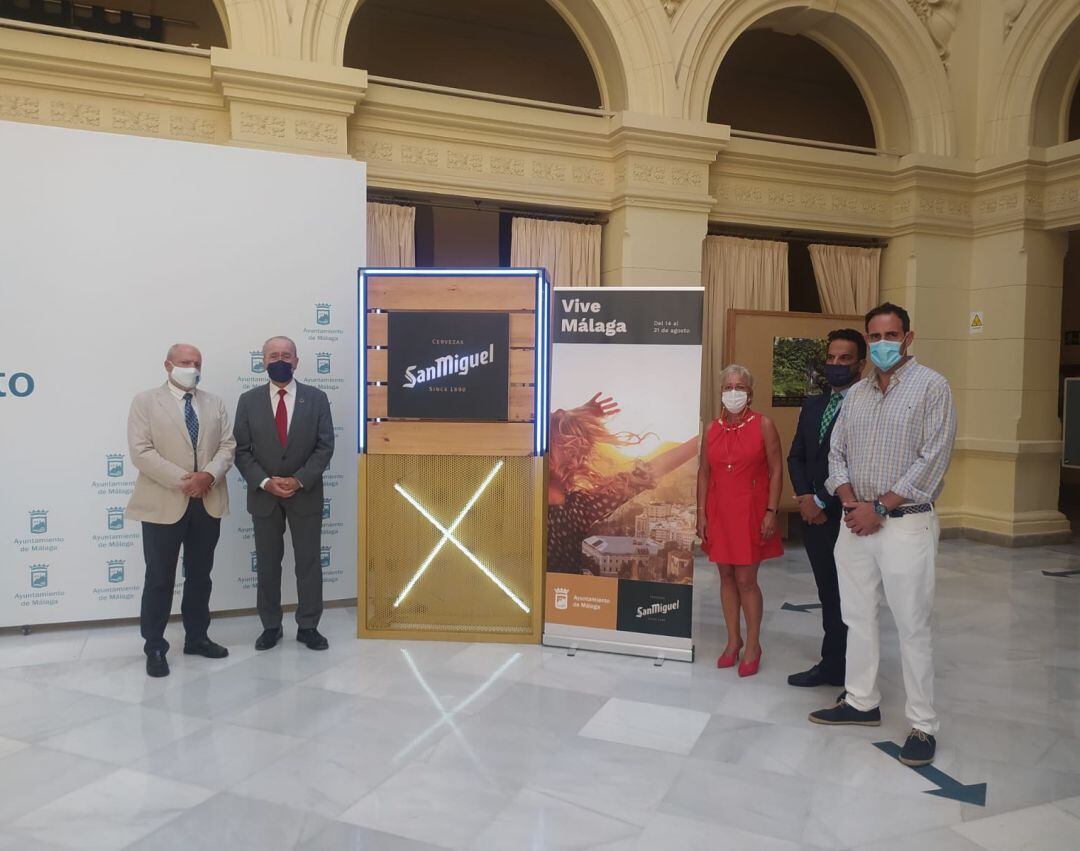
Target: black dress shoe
<point>918,749</point>
<point>844,713</point>
<point>269,638</point>
<point>205,647</point>
<point>156,666</point>
<point>814,677</point>
<point>312,638</point>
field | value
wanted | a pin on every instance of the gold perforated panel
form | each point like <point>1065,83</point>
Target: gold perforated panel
<point>452,598</point>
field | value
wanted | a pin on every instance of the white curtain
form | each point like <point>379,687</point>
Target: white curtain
<point>391,235</point>
<point>569,251</point>
<point>847,277</point>
<point>745,274</point>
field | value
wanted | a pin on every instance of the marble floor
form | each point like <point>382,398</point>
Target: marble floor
<point>417,745</point>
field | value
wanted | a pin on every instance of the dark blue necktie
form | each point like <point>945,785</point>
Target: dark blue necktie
<point>192,425</point>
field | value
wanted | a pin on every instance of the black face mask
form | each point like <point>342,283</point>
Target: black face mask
<point>840,374</point>
<point>279,371</point>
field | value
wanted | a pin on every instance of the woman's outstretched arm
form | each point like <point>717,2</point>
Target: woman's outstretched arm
<point>674,458</point>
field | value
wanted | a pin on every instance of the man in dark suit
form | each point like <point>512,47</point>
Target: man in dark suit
<point>808,463</point>
<point>284,442</point>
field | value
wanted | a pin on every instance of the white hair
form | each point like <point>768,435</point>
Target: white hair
<point>739,370</point>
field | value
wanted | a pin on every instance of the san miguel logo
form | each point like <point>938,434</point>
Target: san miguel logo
<point>448,365</point>
<point>656,609</point>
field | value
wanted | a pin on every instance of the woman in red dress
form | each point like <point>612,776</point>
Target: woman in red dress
<point>739,484</point>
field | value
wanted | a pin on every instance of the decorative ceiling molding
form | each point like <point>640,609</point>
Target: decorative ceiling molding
<point>939,18</point>
<point>671,7</point>
<point>1013,10</point>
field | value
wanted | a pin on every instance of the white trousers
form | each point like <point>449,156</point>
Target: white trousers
<point>899,560</point>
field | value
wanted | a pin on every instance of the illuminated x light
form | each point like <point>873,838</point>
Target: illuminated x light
<point>448,535</point>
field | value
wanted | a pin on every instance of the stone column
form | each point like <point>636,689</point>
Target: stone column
<point>286,103</point>
<point>661,202</point>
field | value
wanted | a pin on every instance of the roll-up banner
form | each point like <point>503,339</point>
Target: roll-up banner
<point>622,473</point>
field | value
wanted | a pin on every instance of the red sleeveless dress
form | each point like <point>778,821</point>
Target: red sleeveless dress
<point>738,494</point>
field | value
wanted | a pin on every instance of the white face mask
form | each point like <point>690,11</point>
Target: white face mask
<point>734,400</point>
<point>185,376</point>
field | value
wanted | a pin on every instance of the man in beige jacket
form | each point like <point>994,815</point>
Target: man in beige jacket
<point>181,442</point>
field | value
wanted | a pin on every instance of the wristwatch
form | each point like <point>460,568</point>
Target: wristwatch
<point>880,510</point>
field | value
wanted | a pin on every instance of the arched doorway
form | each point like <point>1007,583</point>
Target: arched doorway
<point>789,85</point>
<point>186,23</point>
<point>523,49</point>
<point>880,45</point>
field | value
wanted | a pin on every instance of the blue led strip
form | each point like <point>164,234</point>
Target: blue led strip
<point>538,366</point>
<point>541,386</point>
<point>546,398</point>
<point>361,361</point>
<point>487,271</point>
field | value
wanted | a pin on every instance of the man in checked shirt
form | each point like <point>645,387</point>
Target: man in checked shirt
<point>890,449</point>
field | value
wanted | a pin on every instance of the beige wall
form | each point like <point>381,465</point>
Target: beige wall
<point>974,201</point>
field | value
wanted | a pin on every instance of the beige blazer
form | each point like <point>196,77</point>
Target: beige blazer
<point>160,449</point>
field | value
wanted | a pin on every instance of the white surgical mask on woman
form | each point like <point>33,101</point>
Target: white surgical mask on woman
<point>734,400</point>
<point>186,376</point>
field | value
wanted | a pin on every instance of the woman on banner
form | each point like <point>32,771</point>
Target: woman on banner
<point>739,484</point>
<point>580,492</point>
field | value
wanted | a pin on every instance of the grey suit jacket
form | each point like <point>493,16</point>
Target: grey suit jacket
<point>160,449</point>
<point>306,454</point>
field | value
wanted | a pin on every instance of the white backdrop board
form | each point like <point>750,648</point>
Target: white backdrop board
<point>111,248</point>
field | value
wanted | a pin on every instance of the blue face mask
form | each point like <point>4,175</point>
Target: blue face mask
<point>885,354</point>
<point>280,371</point>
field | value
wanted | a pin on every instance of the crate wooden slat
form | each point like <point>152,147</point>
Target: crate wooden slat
<point>405,292</point>
<point>521,402</point>
<point>522,330</point>
<point>449,438</point>
<point>376,364</point>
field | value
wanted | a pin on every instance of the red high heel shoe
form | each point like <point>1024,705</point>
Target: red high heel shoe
<point>728,660</point>
<point>748,668</point>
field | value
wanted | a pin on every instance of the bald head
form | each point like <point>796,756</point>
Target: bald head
<point>183,354</point>
<point>279,345</point>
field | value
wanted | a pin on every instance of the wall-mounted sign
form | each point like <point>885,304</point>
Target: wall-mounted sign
<point>448,365</point>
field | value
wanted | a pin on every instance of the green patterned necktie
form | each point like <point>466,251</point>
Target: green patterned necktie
<point>830,412</point>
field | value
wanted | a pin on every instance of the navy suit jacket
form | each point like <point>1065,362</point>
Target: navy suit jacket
<point>808,460</point>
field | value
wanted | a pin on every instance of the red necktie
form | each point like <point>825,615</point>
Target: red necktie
<point>281,417</point>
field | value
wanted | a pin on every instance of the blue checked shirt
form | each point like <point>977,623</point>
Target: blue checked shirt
<point>899,441</point>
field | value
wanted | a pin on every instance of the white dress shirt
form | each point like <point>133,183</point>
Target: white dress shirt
<point>178,394</point>
<point>290,403</point>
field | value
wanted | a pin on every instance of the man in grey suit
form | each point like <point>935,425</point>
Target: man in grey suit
<point>284,442</point>
<point>181,443</point>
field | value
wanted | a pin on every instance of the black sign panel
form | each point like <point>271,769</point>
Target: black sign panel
<point>667,318</point>
<point>657,608</point>
<point>448,365</point>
